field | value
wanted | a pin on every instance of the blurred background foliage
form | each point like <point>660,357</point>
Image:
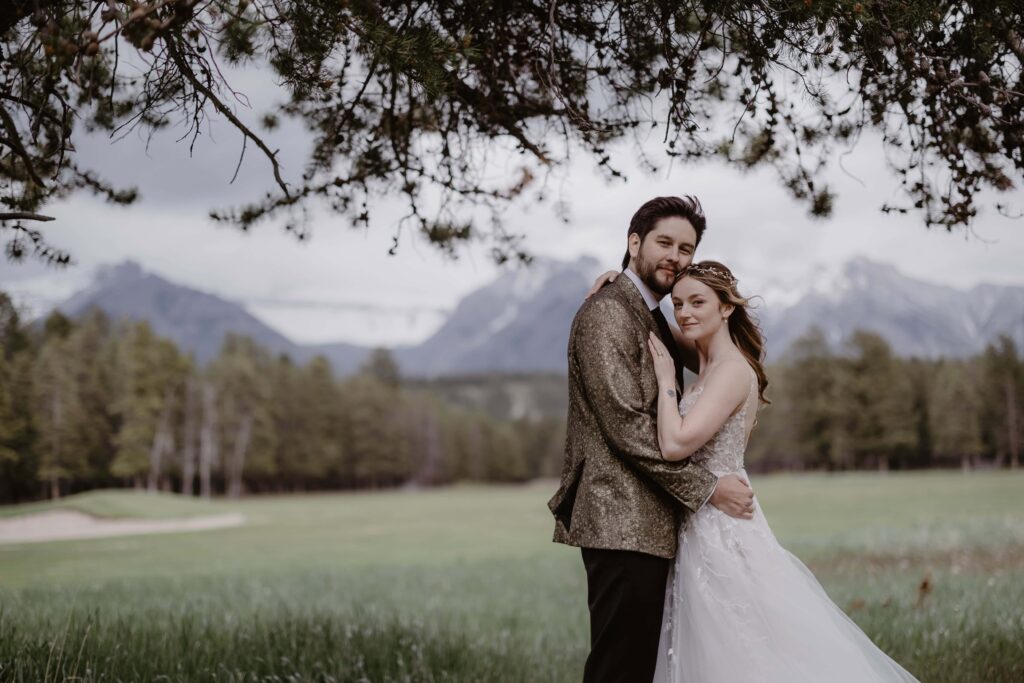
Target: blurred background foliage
<point>92,404</point>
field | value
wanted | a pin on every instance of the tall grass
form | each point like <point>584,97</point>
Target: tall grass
<point>463,585</point>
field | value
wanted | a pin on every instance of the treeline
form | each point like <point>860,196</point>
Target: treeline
<point>91,403</point>
<point>866,408</point>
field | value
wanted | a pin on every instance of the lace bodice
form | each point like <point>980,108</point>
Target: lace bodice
<point>723,453</point>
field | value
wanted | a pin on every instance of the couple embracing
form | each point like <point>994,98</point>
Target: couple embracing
<point>686,582</point>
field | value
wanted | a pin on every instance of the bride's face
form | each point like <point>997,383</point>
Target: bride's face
<point>698,311</point>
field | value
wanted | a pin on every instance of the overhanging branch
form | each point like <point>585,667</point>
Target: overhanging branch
<point>24,216</point>
<point>190,76</point>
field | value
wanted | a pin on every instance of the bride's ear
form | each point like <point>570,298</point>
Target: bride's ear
<point>726,310</point>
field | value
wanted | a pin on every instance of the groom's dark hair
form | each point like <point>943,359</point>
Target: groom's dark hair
<point>651,212</point>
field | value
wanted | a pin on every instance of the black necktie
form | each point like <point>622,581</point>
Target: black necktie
<point>669,341</point>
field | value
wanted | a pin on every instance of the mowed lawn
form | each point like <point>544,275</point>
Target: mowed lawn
<point>463,583</point>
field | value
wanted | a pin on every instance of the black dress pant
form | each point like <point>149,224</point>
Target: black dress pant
<point>626,595</point>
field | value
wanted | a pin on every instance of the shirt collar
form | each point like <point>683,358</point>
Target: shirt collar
<point>649,297</point>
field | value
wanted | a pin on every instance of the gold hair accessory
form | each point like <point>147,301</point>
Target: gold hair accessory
<point>701,269</point>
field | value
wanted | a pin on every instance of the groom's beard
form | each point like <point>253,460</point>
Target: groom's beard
<point>659,281</point>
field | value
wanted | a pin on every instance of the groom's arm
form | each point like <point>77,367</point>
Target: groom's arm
<point>602,351</point>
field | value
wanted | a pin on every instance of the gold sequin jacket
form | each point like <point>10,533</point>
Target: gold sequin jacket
<point>617,491</point>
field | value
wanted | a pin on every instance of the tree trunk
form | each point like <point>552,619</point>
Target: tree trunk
<point>207,439</point>
<point>427,444</point>
<point>238,458</point>
<point>162,441</point>
<point>475,453</point>
<point>1000,459</point>
<point>57,415</point>
<point>1013,437</point>
<point>188,449</point>
<point>154,462</point>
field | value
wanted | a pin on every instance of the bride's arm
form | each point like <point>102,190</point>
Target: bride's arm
<point>723,392</point>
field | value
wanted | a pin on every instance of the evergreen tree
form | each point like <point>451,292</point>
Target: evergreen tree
<point>878,411</point>
<point>92,357</point>
<point>378,448</point>
<point>504,453</point>
<point>290,424</point>
<point>190,427</point>
<point>381,366</point>
<point>1004,399</point>
<point>13,337</point>
<point>307,415</point>
<point>18,460</point>
<point>454,444</point>
<point>401,97</point>
<point>814,403</point>
<point>466,452</point>
<point>544,445</point>
<point>920,375</point>
<point>955,415</point>
<point>775,442</point>
<point>421,424</point>
<point>209,437</point>
<point>55,411</point>
<point>149,379</point>
<point>57,325</point>
<point>243,379</point>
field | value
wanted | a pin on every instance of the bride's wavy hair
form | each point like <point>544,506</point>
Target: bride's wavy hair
<point>743,326</point>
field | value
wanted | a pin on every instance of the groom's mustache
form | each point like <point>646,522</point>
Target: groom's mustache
<point>675,267</point>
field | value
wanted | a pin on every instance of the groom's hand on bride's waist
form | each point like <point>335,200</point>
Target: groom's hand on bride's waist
<point>733,496</point>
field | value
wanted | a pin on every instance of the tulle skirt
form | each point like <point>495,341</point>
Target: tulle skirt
<point>740,608</point>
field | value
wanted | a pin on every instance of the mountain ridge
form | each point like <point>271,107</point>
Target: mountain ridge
<point>519,322</point>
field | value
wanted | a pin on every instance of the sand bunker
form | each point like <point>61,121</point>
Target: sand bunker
<point>58,525</point>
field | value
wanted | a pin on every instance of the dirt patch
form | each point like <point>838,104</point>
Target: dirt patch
<point>60,525</point>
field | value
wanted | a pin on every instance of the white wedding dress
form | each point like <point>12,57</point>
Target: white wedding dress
<point>739,608</point>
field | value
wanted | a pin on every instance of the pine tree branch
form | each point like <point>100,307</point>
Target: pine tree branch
<point>24,216</point>
<point>190,76</point>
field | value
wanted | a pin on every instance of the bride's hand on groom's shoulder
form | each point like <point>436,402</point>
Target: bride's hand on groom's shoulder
<point>602,280</point>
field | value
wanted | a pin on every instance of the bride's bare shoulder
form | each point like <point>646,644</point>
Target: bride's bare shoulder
<point>731,377</point>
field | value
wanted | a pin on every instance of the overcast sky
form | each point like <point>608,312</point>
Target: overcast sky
<point>342,286</point>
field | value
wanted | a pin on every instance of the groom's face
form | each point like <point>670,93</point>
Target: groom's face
<point>665,251</point>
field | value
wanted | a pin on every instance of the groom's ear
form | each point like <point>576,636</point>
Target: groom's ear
<point>634,244</point>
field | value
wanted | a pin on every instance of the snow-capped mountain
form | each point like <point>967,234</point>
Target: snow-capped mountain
<point>520,322</point>
<point>917,318</point>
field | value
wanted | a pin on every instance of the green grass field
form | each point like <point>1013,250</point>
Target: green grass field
<point>463,584</point>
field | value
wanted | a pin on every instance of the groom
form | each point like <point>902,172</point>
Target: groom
<point>619,500</point>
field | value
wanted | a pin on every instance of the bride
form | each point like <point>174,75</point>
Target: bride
<point>739,607</point>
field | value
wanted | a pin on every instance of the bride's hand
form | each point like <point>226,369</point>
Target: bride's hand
<point>602,280</point>
<point>664,366</point>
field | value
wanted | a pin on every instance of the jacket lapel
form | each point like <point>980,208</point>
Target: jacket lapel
<point>627,291</point>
